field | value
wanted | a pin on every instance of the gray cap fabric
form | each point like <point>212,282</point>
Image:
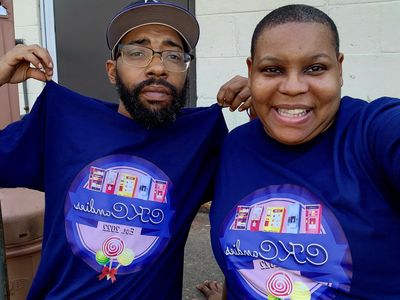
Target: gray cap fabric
<point>146,12</point>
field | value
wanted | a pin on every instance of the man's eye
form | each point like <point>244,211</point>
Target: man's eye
<point>135,54</point>
<point>177,57</point>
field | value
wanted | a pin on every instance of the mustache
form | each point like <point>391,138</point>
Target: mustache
<point>146,116</point>
<point>155,81</point>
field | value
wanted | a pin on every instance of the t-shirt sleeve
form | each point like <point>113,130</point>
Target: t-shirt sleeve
<point>218,135</point>
<point>384,139</point>
<point>22,149</point>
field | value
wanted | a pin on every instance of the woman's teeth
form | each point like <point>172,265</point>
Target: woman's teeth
<point>292,113</point>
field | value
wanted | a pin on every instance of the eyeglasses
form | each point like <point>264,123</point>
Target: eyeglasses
<point>140,57</point>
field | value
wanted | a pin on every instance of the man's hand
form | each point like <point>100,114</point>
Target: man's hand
<point>23,62</point>
<point>235,94</point>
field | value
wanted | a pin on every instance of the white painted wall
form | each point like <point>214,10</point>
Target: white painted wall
<point>27,27</point>
<point>369,32</point>
<point>369,35</point>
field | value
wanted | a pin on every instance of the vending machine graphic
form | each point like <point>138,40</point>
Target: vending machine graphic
<point>110,182</point>
<point>144,187</point>
<point>159,190</point>
<point>274,219</point>
<point>127,185</point>
<point>241,218</point>
<point>255,217</point>
<point>96,178</point>
<point>313,218</point>
<point>293,218</point>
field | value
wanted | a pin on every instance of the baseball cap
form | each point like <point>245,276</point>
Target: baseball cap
<point>146,12</point>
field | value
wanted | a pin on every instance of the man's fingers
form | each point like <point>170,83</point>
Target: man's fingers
<point>240,99</point>
<point>44,57</point>
<point>232,87</point>
<point>37,74</point>
<point>35,55</point>
<point>25,61</point>
<point>45,62</point>
<point>245,105</point>
<point>41,60</point>
<point>234,92</point>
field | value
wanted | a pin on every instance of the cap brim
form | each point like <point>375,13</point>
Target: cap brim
<point>154,13</point>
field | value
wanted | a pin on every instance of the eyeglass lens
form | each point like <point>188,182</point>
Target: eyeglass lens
<point>141,57</point>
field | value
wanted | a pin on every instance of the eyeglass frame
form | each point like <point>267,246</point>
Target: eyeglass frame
<point>187,64</point>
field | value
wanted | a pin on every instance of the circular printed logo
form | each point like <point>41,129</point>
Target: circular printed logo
<point>281,242</point>
<point>118,213</point>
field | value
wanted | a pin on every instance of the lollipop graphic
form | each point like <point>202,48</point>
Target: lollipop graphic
<point>125,258</point>
<point>279,285</point>
<point>113,246</point>
<point>300,291</point>
<point>101,258</point>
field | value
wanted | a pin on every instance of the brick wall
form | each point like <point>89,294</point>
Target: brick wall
<point>369,34</point>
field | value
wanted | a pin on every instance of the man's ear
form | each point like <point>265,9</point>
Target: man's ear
<point>111,68</point>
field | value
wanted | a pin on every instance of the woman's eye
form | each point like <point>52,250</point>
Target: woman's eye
<point>272,70</point>
<point>315,69</point>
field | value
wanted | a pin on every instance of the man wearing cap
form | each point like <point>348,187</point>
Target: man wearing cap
<point>122,182</point>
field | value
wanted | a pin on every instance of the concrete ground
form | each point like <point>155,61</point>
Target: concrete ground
<point>199,260</point>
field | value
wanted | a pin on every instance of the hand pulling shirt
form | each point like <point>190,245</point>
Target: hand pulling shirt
<point>319,220</point>
<point>119,198</point>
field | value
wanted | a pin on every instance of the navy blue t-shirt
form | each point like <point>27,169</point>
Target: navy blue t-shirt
<point>119,198</point>
<point>319,220</point>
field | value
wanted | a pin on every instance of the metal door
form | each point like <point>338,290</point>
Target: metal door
<point>81,45</point>
<point>9,105</point>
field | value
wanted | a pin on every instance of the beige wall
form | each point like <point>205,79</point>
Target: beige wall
<point>369,30</point>
<point>369,33</point>
<point>9,108</point>
<point>27,27</point>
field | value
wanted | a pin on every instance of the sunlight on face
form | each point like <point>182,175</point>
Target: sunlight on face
<point>295,79</point>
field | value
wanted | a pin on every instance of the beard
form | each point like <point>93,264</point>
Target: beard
<point>150,118</point>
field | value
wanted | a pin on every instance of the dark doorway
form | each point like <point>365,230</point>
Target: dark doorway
<point>81,46</point>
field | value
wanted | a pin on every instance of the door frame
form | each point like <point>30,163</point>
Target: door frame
<point>9,103</point>
<point>49,41</point>
<point>49,32</point>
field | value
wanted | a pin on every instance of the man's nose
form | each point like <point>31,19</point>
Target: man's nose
<point>156,67</point>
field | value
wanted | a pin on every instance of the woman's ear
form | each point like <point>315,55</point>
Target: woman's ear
<point>249,63</point>
<point>340,65</point>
